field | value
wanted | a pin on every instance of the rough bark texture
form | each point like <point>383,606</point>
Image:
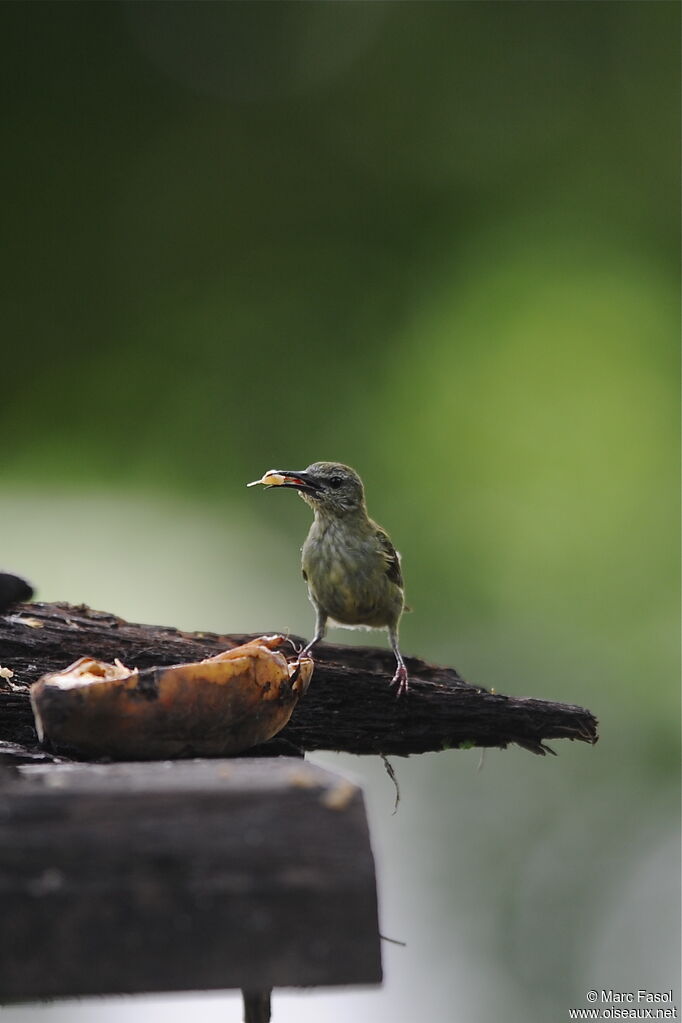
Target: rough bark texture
<point>350,705</point>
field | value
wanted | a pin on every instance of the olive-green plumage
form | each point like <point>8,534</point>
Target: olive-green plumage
<point>349,563</point>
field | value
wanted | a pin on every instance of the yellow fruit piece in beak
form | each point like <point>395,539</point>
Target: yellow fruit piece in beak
<point>272,478</point>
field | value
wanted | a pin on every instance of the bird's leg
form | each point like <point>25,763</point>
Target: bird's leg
<point>400,677</point>
<point>320,629</point>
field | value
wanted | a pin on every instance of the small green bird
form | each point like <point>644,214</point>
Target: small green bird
<point>349,563</point>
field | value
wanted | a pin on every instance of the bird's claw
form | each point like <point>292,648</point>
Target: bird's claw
<point>400,679</point>
<point>296,647</point>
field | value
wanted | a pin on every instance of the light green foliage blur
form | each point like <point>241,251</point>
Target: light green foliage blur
<point>439,242</point>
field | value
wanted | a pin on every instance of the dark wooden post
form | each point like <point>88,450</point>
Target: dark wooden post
<point>168,876</point>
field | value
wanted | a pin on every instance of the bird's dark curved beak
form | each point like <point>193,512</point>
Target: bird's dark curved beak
<point>299,481</point>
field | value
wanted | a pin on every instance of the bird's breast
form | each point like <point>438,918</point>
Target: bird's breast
<point>347,579</point>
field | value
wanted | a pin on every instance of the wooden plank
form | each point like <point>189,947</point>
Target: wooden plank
<point>349,706</point>
<point>191,875</point>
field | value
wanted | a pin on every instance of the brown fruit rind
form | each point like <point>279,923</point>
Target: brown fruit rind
<point>217,707</point>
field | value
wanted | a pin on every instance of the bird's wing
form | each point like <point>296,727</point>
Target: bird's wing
<point>390,556</point>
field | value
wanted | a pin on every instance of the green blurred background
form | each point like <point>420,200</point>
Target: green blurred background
<point>439,242</point>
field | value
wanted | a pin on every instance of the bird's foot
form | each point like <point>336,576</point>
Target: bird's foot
<point>296,647</point>
<point>400,679</point>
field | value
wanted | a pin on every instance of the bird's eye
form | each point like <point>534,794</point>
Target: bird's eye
<point>335,482</point>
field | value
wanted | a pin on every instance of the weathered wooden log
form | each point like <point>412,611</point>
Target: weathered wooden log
<point>349,706</point>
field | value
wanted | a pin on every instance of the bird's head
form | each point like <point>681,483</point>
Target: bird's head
<point>328,487</point>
